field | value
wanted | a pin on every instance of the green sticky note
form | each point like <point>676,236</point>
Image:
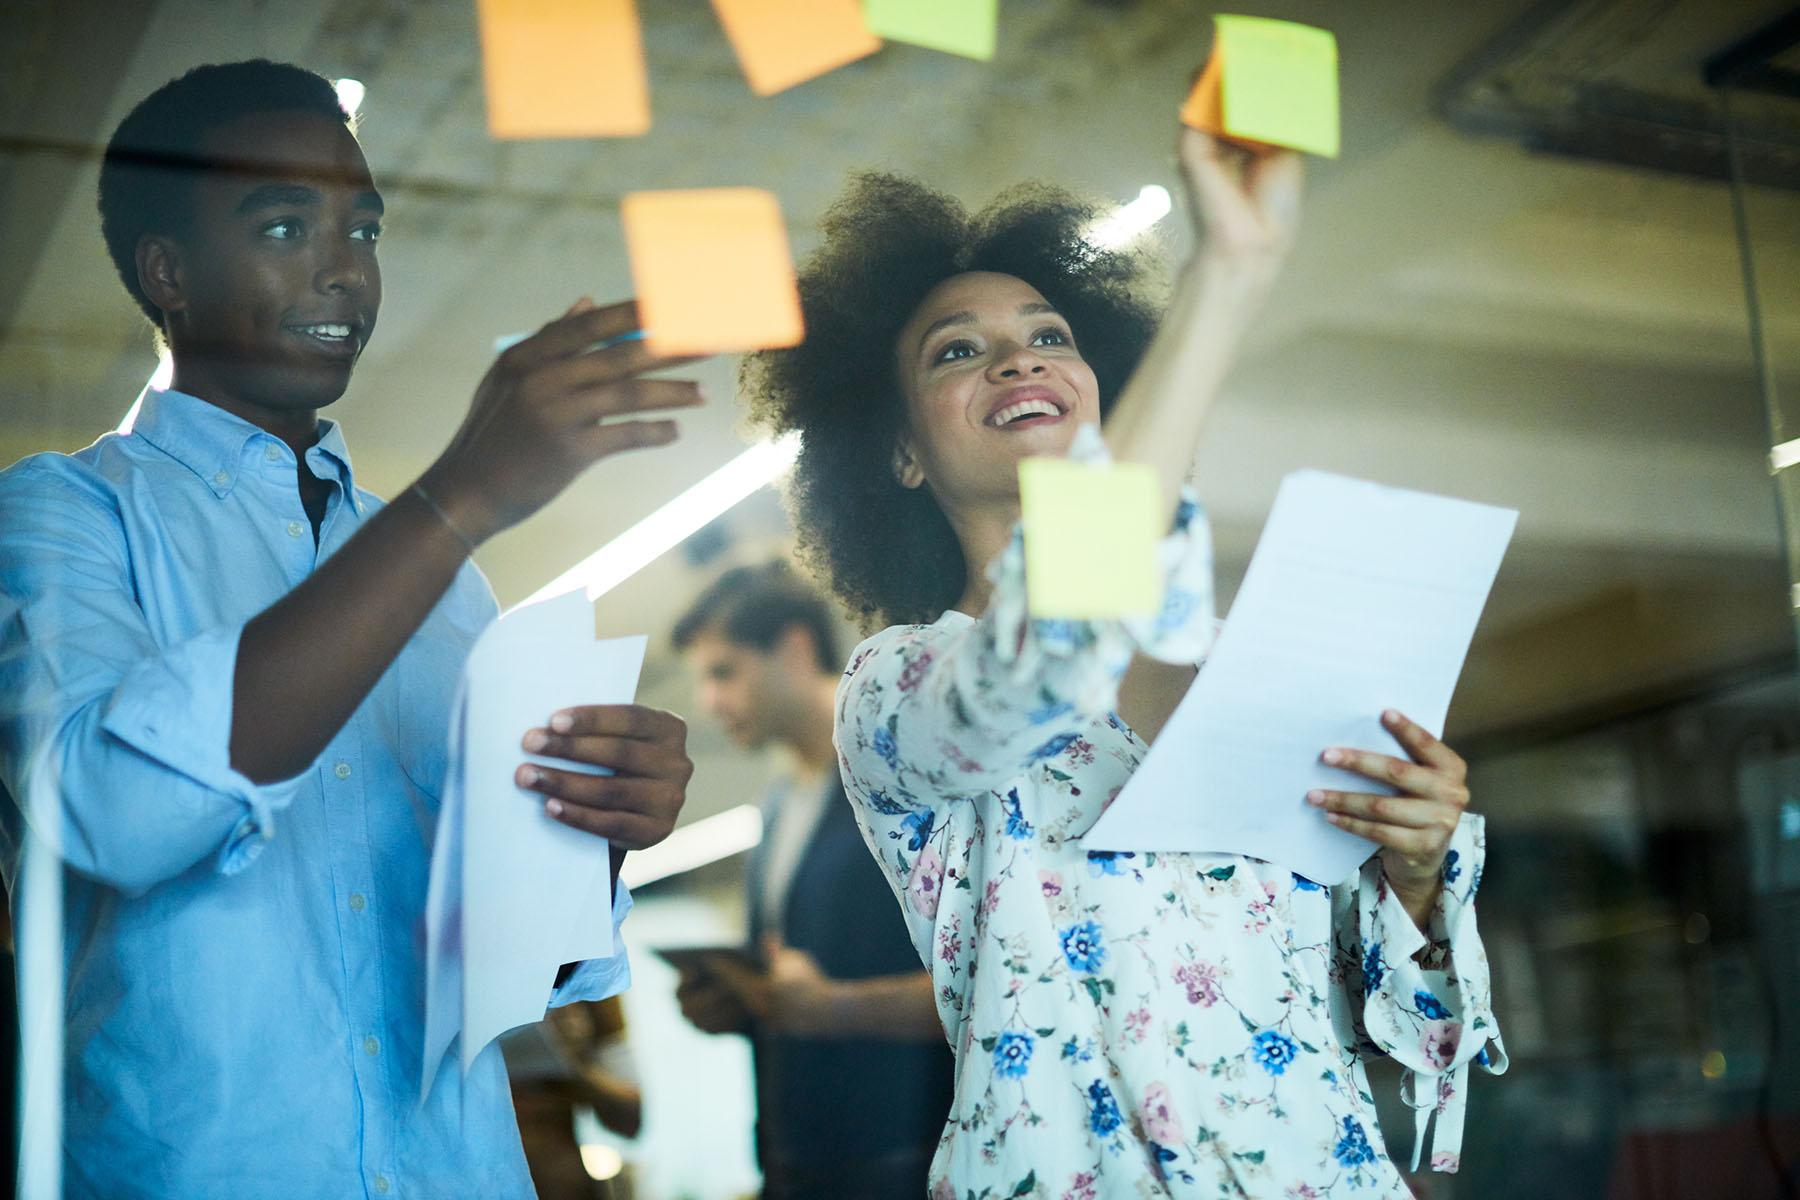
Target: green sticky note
<point>1091,536</point>
<point>965,27</point>
<point>1280,83</point>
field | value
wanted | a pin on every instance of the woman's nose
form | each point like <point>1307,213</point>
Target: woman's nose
<point>1022,361</point>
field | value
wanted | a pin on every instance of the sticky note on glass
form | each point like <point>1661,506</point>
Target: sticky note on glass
<point>1274,83</point>
<point>712,270</point>
<point>1091,537</point>
<point>563,68</point>
<point>784,42</point>
<point>965,27</point>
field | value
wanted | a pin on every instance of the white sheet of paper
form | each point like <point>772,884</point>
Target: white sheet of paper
<point>1359,597</point>
<point>513,893</point>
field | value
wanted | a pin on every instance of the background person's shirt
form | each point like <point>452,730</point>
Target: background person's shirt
<point>828,1103</point>
<point>244,964</point>
<point>791,815</point>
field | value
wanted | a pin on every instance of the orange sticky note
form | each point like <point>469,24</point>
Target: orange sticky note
<point>563,68</point>
<point>784,42</point>
<point>712,270</point>
<point>1269,83</point>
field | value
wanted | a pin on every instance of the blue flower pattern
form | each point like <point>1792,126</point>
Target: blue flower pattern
<point>1192,1002</point>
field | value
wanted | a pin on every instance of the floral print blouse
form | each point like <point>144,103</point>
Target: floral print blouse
<point>1138,1025</point>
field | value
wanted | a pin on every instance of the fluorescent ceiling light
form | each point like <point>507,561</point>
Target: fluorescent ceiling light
<point>159,379</point>
<point>350,93</point>
<point>1784,456</point>
<point>1128,220</point>
<point>639,546</point>
<point>694,845</point>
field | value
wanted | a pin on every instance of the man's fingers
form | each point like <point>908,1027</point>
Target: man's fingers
<point>633,396</point>
<point>571,333</point>
<point>1392,810</point>
<point>626,830</point>
<point>619,720</point>
<point>601,365</point>
<point>626,756</point>
<point>604,441</point>
<point>615,793</point>
<point>1422,746</point>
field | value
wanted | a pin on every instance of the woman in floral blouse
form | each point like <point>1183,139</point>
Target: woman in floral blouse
<point>1125,1025</point>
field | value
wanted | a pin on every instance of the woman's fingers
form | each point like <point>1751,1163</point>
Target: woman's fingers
<point>1422,746</point>
<point>1409,778</point>
<point>1409,811</point>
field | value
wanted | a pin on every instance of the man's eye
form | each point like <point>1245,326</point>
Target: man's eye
<point>367,233</point>
<point>956,350</point>
<point>285,230</point>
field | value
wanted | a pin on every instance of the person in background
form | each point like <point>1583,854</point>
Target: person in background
<point>576,1056</point>
<point>226,671</point>
<point>853,1078</point>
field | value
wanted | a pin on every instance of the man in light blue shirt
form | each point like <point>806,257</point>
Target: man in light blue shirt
<point>226,670</point>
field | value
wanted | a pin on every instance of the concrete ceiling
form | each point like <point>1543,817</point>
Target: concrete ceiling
<point>1562,336</point>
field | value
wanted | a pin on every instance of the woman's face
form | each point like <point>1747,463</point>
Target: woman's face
<point>991,374</point>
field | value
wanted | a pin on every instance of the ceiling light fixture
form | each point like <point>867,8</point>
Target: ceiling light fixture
<point>642,544</point>
<point>350,93</point>
<point>695,845</point>
<point>1129,220</point>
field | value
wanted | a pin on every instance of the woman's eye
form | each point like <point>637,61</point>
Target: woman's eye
<point>283,230</point>
<point>956,350</point>
<point>1050,337</point>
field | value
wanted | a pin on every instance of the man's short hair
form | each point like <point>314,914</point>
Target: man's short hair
<point>147,175</point>
<point>754,606</point>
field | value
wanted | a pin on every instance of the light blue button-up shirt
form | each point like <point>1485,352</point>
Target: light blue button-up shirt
<point>244,965</point>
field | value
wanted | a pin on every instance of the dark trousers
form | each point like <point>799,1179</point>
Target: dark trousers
<point>900,1176</point>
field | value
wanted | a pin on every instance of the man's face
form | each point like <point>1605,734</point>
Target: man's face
<point>276,285</point>
<point>740,688</point>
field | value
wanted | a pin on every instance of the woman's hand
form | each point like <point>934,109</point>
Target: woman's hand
<point>1245,203</point>
<point>1413,828</point>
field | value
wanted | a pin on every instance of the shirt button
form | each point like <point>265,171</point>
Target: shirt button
<point>222,479</point>
<point>342,770</point>
<point>371,1045</point>
<point>295,529</point>
<point>381,1184</point>
<point>272,452</point>
<point>357,902</point>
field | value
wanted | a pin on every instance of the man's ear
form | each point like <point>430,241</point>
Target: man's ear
<point>160,274</point>
<point>907,471</point>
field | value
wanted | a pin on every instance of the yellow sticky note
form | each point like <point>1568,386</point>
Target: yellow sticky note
<point>1090,539</point>
<point>784,42</point>
<point>965,27</point>
<point>712,270</point>
<point>563,68</point>
<point>1270,83</point>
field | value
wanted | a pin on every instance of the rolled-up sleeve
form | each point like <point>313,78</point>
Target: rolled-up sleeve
<point>115,747</point>
<point>598,978</point>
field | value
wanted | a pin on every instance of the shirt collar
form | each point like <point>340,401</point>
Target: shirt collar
<point>211,442</point>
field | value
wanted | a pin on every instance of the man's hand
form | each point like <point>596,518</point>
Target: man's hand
<point>547,410</point>
<point>1413,828</point>
<point>710,1005</point>
<point>645,748</point>
<point>793,996</point>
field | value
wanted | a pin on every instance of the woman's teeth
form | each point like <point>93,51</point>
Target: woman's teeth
<point>1025,408</point>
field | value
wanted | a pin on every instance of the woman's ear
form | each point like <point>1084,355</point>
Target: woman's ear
<point>907,471</point>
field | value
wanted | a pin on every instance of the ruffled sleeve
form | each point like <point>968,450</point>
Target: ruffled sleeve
<point>963,706</point>
<point>1423,997</point>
